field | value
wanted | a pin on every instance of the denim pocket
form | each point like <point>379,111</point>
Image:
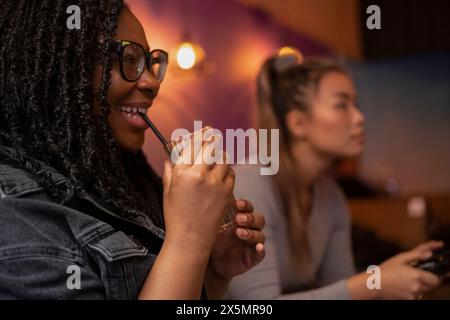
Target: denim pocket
<point>118,246</point>
<point>123,264</point>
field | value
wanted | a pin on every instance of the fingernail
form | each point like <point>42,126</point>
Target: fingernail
<point>243,233</point>
<point>240,203</point>
<point>242,218</point>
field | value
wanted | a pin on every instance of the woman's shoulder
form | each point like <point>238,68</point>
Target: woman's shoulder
<point>253,173</point>
<point>250,180</point>
<point>261,190</point>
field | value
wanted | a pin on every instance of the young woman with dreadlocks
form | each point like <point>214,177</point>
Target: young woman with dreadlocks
<point>82,213</point>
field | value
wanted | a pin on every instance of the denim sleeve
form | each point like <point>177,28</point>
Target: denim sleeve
<point>43,277</point>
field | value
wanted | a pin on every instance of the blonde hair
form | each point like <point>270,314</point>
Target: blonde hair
<point>284,84</point>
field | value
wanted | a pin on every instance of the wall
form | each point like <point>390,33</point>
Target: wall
<point>333,23</point>
<point>407,107</point>
<point>236,38</point>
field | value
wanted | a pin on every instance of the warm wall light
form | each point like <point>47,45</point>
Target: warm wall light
<point>189,55</point>
<point>291,51</point>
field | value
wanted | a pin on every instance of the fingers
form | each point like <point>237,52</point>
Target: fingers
<point>208,150</point>
<point>213,152</point>
<point>428,279</point>
<point>250,220</point>
<point>230,177</point>
<point>421,252</point>
<point>199,153</point>
<point>254,255</point>
<point>250,236</point>
<point>244,205</point>
<point>260,249</point>
<point>429,246</point>
<point>191,147</point>
<point>167,175</point>
<point>413,255</point>
<point>422,282</point>
<point>259,254</point>
<point>222,170</point>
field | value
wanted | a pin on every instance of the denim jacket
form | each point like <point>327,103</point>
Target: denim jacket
<point>53,251</point>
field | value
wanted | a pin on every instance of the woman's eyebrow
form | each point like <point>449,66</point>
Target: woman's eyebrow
<point>343,95</point>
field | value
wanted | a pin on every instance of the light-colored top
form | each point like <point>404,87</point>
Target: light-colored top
<point>278,276</point>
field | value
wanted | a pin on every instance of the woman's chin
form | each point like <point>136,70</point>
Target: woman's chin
<point>131,143</point>
<point>355,152</point>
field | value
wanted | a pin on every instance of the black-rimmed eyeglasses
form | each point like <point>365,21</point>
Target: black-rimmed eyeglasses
<point>133,58</point>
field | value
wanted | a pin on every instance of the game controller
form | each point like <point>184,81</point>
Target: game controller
<point>439,263</point>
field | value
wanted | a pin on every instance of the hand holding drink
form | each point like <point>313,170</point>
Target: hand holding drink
<point>199,202</point>
<point>186,150</point>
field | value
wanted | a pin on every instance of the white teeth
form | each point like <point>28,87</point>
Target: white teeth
<point>133,109</point>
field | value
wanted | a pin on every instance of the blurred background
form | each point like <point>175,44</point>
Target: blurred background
<point>399,191</point>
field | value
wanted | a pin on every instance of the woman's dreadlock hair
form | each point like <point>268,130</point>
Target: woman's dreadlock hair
<point>47,100</point>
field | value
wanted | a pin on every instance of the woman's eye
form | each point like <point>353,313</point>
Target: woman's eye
<point>342,106</point>
<point>130,59</point>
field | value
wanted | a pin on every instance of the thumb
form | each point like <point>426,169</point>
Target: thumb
<point>167,176</point>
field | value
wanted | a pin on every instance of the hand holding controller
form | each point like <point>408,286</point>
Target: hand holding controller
<point>439,263</point>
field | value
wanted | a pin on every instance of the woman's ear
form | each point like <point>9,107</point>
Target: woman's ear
<point>297,124</point>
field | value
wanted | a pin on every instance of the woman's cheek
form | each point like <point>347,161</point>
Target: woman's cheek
<point>117,88</point>
<point>333,134</point>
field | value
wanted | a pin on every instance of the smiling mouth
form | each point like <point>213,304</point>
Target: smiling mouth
<point>133,110</point>
<point>130,113</point>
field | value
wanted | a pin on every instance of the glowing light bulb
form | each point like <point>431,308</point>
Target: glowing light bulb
<point>291,51</point>
<point>186,57</point>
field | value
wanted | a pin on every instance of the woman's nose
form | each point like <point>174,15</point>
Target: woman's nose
<point>358,116</point>
<point>148,82</point>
